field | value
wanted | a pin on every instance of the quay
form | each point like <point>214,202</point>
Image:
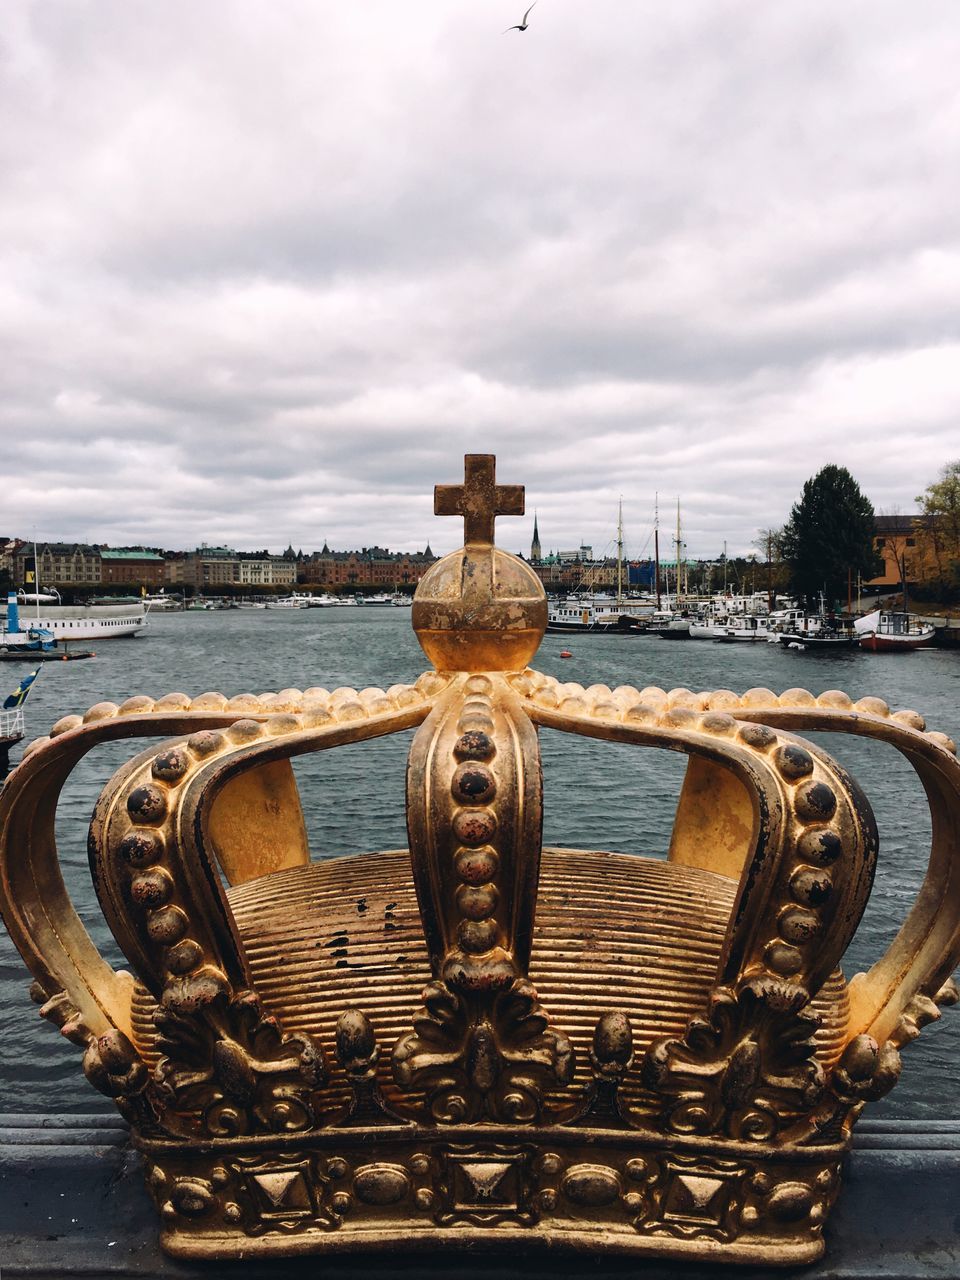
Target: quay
<point>46,655</point>
<point>947,631</point>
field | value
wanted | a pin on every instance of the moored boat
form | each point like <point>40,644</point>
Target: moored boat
<point>884,631</point>
<point>80,621</point>
<point>605,614</point>
<point>668,626</point>
<point>818,632</point>
<point>294,601</point>
<point>162,602</point>
<point>17,639</point>
<point>735,628</point>
<point>607,617</point>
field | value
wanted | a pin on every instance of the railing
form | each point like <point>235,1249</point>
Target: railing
<point>11,723</point>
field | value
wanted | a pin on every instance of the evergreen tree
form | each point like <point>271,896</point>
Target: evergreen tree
<point>829,534</point>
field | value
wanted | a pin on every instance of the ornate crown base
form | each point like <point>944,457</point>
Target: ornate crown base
<point>582,1189</point>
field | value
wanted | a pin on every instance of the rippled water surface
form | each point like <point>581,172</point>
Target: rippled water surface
<point>596,795</point>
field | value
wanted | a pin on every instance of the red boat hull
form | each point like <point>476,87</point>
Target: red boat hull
<point>895,644</point>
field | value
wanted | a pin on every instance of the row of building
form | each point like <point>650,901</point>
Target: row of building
<point>906,545</point>
<point>74,564</point>
<point>901,541</point>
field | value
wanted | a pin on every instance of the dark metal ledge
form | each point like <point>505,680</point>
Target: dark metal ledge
<point>72,1203</point>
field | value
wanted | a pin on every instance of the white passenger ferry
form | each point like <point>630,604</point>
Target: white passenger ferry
<point>80,621</point>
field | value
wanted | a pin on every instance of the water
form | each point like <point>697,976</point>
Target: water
<point>597,795</point>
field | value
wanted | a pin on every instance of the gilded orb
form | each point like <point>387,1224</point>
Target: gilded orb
<point>480,609</point>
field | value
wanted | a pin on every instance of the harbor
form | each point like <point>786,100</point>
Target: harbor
<point>724,620</point>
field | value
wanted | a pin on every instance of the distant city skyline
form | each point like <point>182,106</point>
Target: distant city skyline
<point>636,546</point>
<point>643,544</point>
<point>513,533</point>
<point>268,272</point>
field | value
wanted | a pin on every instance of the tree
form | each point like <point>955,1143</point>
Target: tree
<point>941,509</point>
<point>776,572</point>
<point>899,536</point>
<point>829,537</point>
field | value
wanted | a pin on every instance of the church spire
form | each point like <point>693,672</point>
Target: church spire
<point>535,544</point>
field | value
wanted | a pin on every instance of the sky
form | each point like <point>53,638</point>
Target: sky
<point>267,271</point>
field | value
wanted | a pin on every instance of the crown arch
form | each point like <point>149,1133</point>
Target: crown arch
<point>775,794</point>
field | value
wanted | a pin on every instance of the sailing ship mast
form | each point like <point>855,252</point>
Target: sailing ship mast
<point>36,580</point>
<point>620,555</point>
<point>679,579</point>
<point>656,546</point>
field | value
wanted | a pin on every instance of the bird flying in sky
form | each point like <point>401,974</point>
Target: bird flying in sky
<point>521,26</point>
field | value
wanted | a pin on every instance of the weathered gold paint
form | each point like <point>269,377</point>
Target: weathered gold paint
<point>256,824</point>
<point>715,820</point>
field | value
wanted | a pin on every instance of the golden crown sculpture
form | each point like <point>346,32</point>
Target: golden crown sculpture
<point>482,1041</point>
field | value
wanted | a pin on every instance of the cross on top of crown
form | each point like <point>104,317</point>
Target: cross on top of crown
<point>479,499</point>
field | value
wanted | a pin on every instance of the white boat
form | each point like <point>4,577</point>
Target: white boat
<point>322,601</point>
<point>734,628</point>
<point>17,636</point>
<point>80,621</point>
<point>783,620</point>
<point>162,602</point>
<point>381,598</point>
<point>818,632</point>
<point>887,632</point>
<point>295,601</point>
<point>572,616</point>
<point>702,628</point>
<point>38,597</point>
<point>400,600</point>
<point>668,625</point>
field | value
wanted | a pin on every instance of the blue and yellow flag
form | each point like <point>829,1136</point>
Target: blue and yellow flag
<point>19,695</point>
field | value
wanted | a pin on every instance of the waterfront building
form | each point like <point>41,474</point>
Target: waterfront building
<point>578,575</point>
<point>177,568</point>
<point>8,551</point>
<point>131,566</point>
<point>61,564</point>
<point>213,567</point>
<point>368,567</point>
<point>261,569</point>
<point>906,545</point>
<point>210,568</point>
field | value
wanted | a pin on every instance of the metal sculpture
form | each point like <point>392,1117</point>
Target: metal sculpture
<point>483,1041</point>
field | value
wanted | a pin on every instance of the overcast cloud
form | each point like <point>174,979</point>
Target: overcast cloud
<point>268,270</point>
